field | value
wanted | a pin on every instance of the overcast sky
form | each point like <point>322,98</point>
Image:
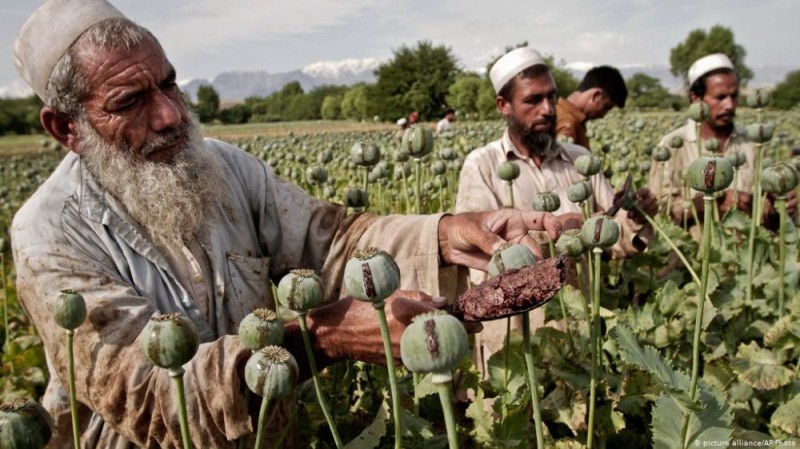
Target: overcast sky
<point>206,37</point>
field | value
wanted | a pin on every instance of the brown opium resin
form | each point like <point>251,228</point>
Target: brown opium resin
<point>512,292</point>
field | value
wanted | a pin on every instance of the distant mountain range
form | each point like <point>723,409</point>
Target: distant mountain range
<point>235,86</point>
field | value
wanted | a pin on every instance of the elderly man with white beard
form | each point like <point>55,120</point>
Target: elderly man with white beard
<point>146,217</point>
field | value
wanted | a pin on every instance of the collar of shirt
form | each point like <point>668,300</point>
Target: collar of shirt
<point>572,110</point>
<point>555,150</point>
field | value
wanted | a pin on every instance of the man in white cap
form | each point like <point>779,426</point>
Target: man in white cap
<point>526,97</point>
<point>713,80</point>
<point>145,217</point>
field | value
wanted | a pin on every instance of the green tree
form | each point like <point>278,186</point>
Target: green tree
<point>646,91</point>
<point>331,107</point>
<point>487,104</point>
<point>207,105</point>
<point>463,93</point>
<point>699,43</point>
<point>787,94</point>
<point>236,114</point>
<point>416,78</point>
<point>354,102</point>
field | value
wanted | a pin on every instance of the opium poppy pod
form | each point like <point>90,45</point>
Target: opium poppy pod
<point>438,167</point>
<point>508,171</point>
<point>271,372</point>
<point>580,191</point>
<point>169,341</point>
<point>661,154</point>
<point>435,342</point>
<point>759,98</point>
<point>699,111</point>
<point>546,202</point>
<point>418,141</point>
<point>316,174</point>
<point>356,197</point>
<point>599,232</point>
<point>570,243</point>
<point>510,256</point>
<point>779,179</point>
<point>300,290</point>
<point>760,132</point>
<point>588,165</point>
<point>260,328</point>
<point>711,144</point>
<point>709,174</point>
<point>365,154</point>
<point>371,275</point>
<point>24,424</point>
<point>69,311</point>
<point>737,158</point>
<point>676,142</point>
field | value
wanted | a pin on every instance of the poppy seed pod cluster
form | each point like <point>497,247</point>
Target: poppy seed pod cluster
<point>709,174</point>
<point>260,328</point>
<point>588,165</point>
<point>371,275</point>
<point>779,179</point>
<point>69,311</point>
<point>599,232</point>
<point>508,171</point>
<point>365,154</point>
<point>169,341</point>
<point>510,256</point>
<point>418,141</point>
<point>24,424</point>
<point>271,372</point>
<point>300,290</point>
<point>435,342</point>
<point>546,202</point>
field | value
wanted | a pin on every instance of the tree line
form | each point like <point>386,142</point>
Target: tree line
<point>427,78</point>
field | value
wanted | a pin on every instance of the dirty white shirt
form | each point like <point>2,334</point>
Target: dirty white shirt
<point>70,234</point>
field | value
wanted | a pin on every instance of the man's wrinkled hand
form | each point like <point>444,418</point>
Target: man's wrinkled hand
<point>646,202</point>
<point>470,239</point>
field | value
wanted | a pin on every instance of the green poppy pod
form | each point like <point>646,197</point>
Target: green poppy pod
<point>169,341</point>
<point>588,165</point>
<point>448,154</point>
<point>508,171</point>
<point>737,158</point>
<point>325,156</point>
<point>599,232</point>
<point>271,372</point>
<point>580,191</point>
<point>711,144</point>
<point>356,197</point>
<point>676,142</point>
<point>546,202</point>
<point>418,141</point>
<point>709,174</point>
<point>510,256</point>
<point>365,154</point>
<point>779,179</point>
<point>69,311</point>
<point>435,342</point>
<point>260,328</point>
<point>624,151</point>
<point>300,290</point>
<point>402,170</point>
<point>645,166</point>
<point>648,151</point>
<point>328,192</point>
<point>440,182</point>
<point>661,154</point>
<point>621,166</point>
<point>570,243</point>
<point>606,147</point>
<point>759,98</point>
<point>438,167</point>
<point>400,155</point>
<point>699,111</point>
<point>316,174</point>
<point>24,424</point>
<point>371,275</point>
<point>760,132</point>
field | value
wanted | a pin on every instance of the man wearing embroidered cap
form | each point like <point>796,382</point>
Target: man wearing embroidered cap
<point>144,216</point>
<point>526,97</point>
<point>713,80</point>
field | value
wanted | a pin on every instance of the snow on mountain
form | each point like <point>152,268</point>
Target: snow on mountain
<point>338,69</point>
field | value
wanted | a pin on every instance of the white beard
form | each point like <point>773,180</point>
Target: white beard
<point>171,201</point>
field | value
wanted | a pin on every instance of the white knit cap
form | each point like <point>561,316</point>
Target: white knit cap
<point>511,63</point>
<point>708,64</point>
<point>50,31</point>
